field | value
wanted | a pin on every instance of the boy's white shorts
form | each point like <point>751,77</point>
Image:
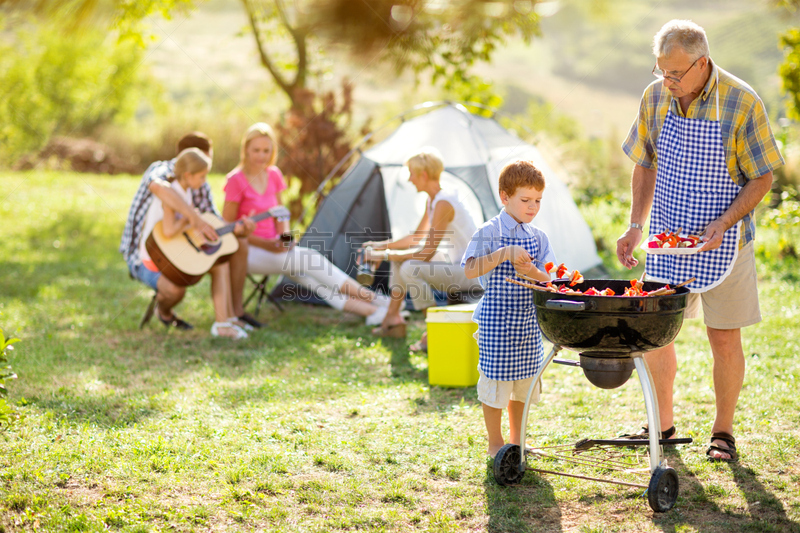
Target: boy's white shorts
<point>498,393</point>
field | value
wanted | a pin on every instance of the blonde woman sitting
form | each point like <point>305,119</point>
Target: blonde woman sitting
<point>255,186</point>
<point>429,258</point>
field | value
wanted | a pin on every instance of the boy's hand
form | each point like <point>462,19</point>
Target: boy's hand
<point>524,268</point>
<point>530,270</point>
<point>517,255</point>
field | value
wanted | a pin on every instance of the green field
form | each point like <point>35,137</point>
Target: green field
<point>313,425</point>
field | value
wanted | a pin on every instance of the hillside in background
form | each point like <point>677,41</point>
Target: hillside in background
<point>592,61</point>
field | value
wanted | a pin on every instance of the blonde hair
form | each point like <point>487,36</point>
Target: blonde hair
<point>191,160</point>
<point>520,174</point>
<point>684,34</point>
<point>259,129</point>
<point>427,159</point>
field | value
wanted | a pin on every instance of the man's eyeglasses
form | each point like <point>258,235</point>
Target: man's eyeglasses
<point>661,75</point>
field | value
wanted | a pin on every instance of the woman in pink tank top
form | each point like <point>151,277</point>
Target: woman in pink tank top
<point>255,186</point>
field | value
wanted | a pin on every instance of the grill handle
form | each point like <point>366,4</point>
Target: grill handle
<point>565,304</point>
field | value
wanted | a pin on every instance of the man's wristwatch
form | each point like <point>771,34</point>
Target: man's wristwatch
<point>634,225</point>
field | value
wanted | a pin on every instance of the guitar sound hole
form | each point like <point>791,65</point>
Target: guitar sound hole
<point>210,248</point>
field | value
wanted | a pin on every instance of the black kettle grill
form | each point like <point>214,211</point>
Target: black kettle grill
<point>611,334</point>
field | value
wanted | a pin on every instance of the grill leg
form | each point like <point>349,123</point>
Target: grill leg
<point>651,404</point>
<point>523,433</point>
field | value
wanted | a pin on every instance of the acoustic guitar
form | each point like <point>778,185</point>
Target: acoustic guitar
<point>187,257</point>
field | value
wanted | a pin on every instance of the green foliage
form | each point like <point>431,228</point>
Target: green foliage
<point>5,369</point>
<point>789,70</point>
<point>597,167</point>
<point>59,84</point>
<point>471,88</point>
<point>76,16</point>
<point>543,118</point>
<point>130,15</point>
<point>5,373</point>
<point>785,220</point>
<point>440,39</point>
<point>445,39</point>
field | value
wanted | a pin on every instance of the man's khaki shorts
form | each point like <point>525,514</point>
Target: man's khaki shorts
<point>498,393</point>
<point>732,304</point>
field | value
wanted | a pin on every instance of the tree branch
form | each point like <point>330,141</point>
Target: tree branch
<point>299,37</point>
<point>265,60</point>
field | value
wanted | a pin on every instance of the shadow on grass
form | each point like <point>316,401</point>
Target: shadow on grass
<point>402,368</point>
<point>697,509</point>
<point>766,511</point>
<point>119,378</point>
<point>529,506</point>
<point>73,247</point>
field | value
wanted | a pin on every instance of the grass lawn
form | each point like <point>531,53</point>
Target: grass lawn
<point>313,425</point>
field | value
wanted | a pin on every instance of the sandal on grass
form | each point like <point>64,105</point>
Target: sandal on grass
<point>238,333</point>
<point>728,439</point>
<point>645,434</point>
<point>174,322</point>
<point>419,346</point>
<point>394,331</point>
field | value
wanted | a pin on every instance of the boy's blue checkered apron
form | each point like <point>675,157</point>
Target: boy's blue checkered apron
<point>509,340</point>
<point>693,188</point>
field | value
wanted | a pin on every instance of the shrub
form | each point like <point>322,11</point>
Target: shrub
<point>786,219</point>
<point>313,137</point>
<point>59,84</point>
<point>5,373</point>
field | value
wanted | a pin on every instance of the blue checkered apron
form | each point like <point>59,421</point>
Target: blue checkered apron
<point>509,340</point>
<point>693,188</point>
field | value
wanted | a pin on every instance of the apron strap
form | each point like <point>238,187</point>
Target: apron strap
<point>716,91</point>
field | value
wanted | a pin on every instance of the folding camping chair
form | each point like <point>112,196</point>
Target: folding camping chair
<point>260,292</point>
<point>148,313</point>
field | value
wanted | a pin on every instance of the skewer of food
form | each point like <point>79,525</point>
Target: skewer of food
<point>574,277</point>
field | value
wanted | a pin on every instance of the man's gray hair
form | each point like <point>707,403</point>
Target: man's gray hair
<point>683,34</point>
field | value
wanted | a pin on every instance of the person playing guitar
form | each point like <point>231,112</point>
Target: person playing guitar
<point>154,185</point>
<point>191,169</point>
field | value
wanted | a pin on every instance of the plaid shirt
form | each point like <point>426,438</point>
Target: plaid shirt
<point>750,147</point>
<point>132,234</point>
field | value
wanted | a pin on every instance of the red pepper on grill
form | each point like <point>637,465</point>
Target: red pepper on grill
<point>561,271</point>
<point>575,278</point>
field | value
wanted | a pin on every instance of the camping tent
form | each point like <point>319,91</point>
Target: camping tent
<point>374,199</point>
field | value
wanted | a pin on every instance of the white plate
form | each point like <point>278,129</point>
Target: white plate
<point>669,251</point>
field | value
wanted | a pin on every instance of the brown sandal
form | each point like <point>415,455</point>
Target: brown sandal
<point>645,434</point>
<point>419,346</point>
<point>728,439</point>
<point>394,331</point>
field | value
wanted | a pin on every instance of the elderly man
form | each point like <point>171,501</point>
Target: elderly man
<point>704,155</point>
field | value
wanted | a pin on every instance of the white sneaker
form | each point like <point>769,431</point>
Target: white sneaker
<point>381,300</point>
<point>376,318</point>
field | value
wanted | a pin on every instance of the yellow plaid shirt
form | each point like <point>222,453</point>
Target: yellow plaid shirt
<point>750,147</point>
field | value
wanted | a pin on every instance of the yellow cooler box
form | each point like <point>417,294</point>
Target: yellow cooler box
<point>452,349</point>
